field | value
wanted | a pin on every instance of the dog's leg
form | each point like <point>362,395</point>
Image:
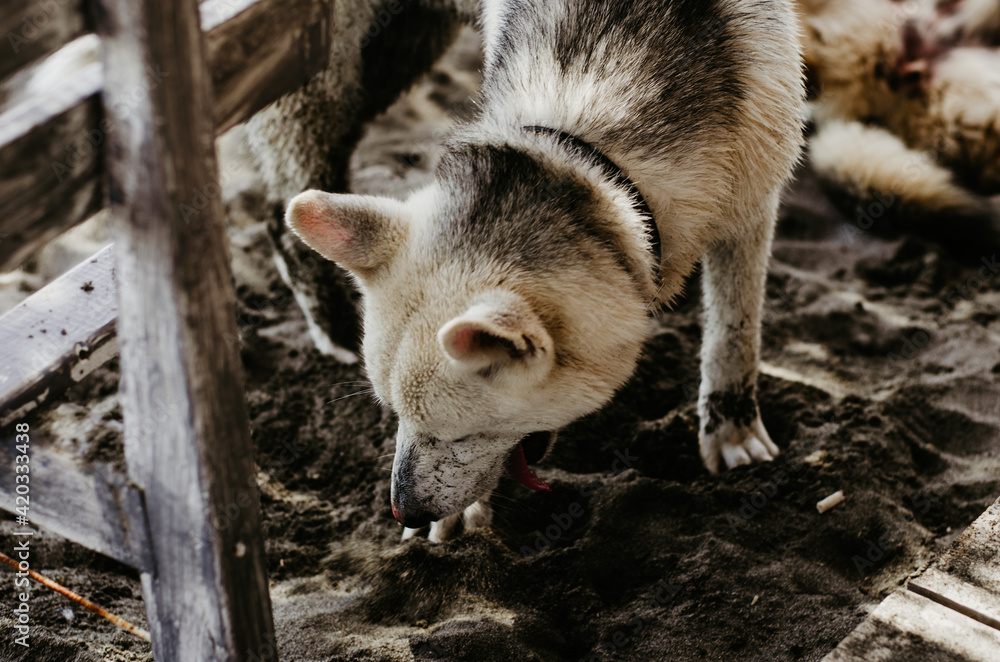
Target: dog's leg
<point>478,515</point>
<point>735,271</point>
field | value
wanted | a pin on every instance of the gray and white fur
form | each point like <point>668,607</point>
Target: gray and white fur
<point>512,295</point>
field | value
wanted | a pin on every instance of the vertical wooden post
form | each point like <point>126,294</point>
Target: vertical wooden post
<point>187,442</point>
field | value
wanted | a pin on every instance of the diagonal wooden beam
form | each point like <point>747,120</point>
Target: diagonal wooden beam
<point>58,336</point>
<point>31,29</point>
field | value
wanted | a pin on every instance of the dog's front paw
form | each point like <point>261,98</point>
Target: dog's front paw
<point>733,444</point>
<point>476,516</point>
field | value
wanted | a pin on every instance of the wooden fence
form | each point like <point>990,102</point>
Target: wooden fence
<point>152,83</point>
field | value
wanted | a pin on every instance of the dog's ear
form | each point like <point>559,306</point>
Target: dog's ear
<point>499,329</point>
<point>359,232</point>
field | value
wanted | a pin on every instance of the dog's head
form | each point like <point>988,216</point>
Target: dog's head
<point>496,305</point>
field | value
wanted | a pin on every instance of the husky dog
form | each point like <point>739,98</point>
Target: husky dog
<point>908,104</point>
<point>616,145</point>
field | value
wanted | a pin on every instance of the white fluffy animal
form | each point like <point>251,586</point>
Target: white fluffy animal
<point>616,145</point>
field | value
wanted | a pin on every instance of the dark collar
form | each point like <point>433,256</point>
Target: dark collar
<point>615,174</point>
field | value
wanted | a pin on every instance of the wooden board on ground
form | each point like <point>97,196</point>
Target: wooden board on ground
<point>949,611</point>
<point>967,576</point>
<point>908,627</point>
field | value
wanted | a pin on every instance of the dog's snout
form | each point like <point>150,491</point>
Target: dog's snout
<point>407,508</point>
<point>411,518</point>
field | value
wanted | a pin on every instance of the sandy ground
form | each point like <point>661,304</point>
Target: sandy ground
<point>880,378</point>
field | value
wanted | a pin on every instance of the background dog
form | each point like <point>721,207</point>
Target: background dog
<point>907,107</point>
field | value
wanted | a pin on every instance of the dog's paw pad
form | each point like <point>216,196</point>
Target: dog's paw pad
<point>750,450</point>
<point>733,446</point>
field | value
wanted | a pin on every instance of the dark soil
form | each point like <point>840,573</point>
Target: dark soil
<point>880,378</point>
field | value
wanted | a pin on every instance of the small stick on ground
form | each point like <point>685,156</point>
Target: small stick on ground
<point>79,599</point>
<point>834,499</point>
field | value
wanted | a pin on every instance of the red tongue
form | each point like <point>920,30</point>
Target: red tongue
<point>517,468</point>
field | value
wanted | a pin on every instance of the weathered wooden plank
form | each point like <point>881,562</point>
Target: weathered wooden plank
<point>94,505</point>
<point>908,627</point>
<point>974,557</point>
<point>949,611</point>
<point>208,596</point>
<point>260,51</point>
<point>49,164</point>
<point>51,138</point>
<point>951,592</point>
<point>36,28</point>
<point>966,577</point>
<point>57,336</point>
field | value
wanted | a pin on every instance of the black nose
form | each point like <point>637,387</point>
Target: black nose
<point>411,518</point>
<point>406,506</point>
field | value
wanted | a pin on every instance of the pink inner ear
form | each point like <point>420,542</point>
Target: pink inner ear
<point>465,341</point>
<point>314,223</point>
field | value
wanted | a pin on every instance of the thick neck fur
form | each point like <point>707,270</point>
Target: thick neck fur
<point>542,207</point>
<point>659,86</point>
